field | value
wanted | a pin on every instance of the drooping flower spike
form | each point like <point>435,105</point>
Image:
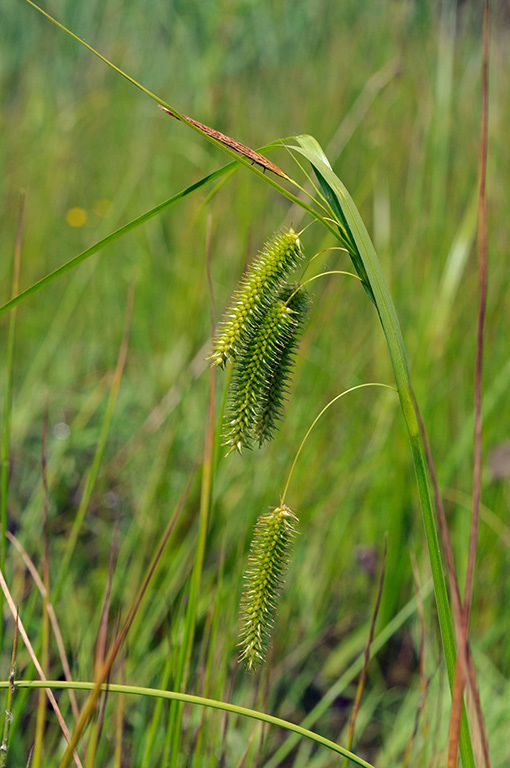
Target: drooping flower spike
<point>276,385</point>
<point>269,271</point>
<point>262,370</point>
<point>269,554</point>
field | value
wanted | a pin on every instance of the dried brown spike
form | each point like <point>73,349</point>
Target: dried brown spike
<point>255,157</point>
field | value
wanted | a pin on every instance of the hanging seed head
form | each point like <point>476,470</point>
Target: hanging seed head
<point>252,371</point>
<point>278,375</point>
<point>279,256</point>
<point>267,563</point>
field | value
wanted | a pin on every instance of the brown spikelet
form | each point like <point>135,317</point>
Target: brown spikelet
<point>242,149</point>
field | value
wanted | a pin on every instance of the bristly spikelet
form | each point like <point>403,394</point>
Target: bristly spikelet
<point>279,256</point>
<point>267,563</point>
<point>276,385</point>
<point>253,370</point>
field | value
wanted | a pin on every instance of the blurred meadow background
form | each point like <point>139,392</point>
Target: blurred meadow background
<point>392,91</point>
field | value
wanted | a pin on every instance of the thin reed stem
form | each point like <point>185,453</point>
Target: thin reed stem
<point>172,750</point>
<point>155,693</point>
<point>6,429</point>
<point>366,658</point>
<point>314,422</point>
<point>8,705</point>
<point>461,670</point>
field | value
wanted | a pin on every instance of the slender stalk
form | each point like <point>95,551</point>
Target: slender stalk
<point>96,462</point>
<point>6,431</point>
<point>461,670</point>
<point>367,265</point>
<point>8,706</point>
<point>174,726</point>
<point>482,237</point>
<point>156,693</point>
<point>314,422</point>
<point>361,682</point>
<point>45,641</point>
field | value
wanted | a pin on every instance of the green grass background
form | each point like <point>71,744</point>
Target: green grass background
<point>74,134</point>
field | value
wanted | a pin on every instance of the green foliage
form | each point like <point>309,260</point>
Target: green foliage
<point>75,134</point>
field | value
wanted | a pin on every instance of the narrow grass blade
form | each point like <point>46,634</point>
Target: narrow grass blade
<point>150,733</point>
<point>28,645</point>
<point>198,701</point>
<point>212,678</point>
<point>99,685</point>
<point>346,679</point>
<point>6,431</point>
<point>53,618</point>
<point>118,762</point>
<point>208,470</point>
<point>361,683</point>
<point>367,265</point>
<point>8,705</point>
<point>111,238</point>
<point>96,462</point>
<point>454,269</point>
<point>45,639</point>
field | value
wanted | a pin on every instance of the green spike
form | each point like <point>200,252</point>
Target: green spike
<point>279,256</point>
<point>267,564</point>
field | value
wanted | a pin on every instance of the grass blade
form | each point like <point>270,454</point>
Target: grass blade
<point>208,467</point>
<point>367,264</point>
<point>6,431</point>
<point>28,645</point>
<point>96,463</point>
<point>111,238</point>
<point>461,672</point>
<point>53,618</point>
<point>8,705</point>
<point>45,623</point>
<point>199,701</point>
<point>361,683</point>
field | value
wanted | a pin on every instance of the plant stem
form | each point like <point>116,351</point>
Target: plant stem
<point>195,700</point>
<point>314,422</point>
<point>367,264</point>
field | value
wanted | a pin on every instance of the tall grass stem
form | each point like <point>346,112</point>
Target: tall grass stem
<point>367,264</point>
<point>6,429</point>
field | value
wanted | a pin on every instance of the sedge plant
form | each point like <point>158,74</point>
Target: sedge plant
<point>259,338</point>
